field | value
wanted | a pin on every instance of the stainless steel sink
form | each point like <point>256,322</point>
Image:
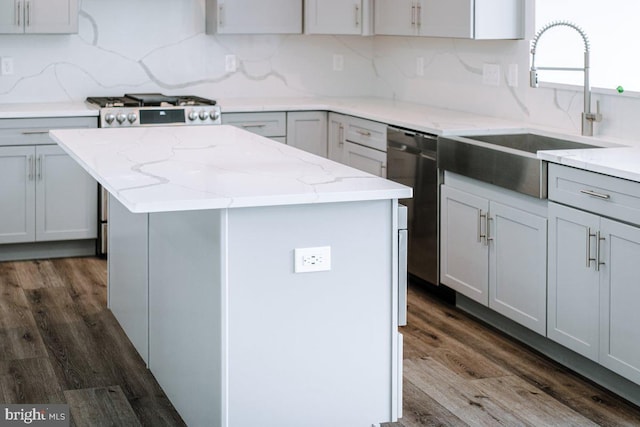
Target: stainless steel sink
<point>508,161</point>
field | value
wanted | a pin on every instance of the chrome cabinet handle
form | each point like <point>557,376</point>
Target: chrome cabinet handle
<point>340,135</point>
<point>220,13</point>
<point>589,236</point>
<point>595,194</point>
<point>34,132</point>
<point>364,133</point>
<point>419,14</point>
<point>480,217</point>
<point>599,239</point>
<point>39,169</point>
<point>357,15</point>
<point>28,18</point>
<point>413,14</point>
<point>30,161</point>
<point>253,125</point>
<point>19,8</point>
<point>488,236</point>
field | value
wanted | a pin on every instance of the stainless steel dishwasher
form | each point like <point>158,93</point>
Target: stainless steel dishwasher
<point>411,160</point>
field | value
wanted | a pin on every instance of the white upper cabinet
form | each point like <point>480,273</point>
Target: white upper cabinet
<point>254,16</point>
<point>471,19</point>
<point>338,17</point>
<point>38,16</point>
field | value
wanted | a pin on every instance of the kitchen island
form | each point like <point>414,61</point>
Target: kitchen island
<point>206,275</point>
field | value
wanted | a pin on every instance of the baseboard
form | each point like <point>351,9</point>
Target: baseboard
<point>42,250</point>
<point>572,360</point>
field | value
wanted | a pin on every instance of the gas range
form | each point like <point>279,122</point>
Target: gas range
<point>155,109</point>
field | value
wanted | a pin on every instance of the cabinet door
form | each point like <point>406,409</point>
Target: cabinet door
<point>17,195</point>
<point>333,16</point>
<point>11,16</point>
<point>573,288</point>
<point>619,314</point>
<point>257,16</point>
<point>66,197</point>
<point>518,266</point>
<point>464,264</point>
<point>447,18</point>
<point>51,16</point>
<point>396,17</point>
<point>366,159</point>
<point>336,137</point>
<point>307,130</point>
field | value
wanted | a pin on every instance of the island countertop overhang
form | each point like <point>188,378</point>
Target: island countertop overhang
<point>179,168</point>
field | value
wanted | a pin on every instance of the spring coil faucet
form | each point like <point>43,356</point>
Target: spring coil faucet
<point>587,116</point>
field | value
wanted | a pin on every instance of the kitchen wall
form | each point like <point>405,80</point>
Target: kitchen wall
<point>160,45</point>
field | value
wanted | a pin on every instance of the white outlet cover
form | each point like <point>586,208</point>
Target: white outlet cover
<point>338,62</point>
<point>512,76</point>
<point>491,74</point>
<point>420,66</point>
<point>230,63</point>
<point>6,66</point>
<point>307,260</point>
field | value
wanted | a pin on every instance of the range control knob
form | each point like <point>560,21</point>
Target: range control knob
<point>203,115</point>
<point>132,117</point>
<point>109,118</point>
<point>121,118</point>
<point>192,115</point>
<point>214,115</point>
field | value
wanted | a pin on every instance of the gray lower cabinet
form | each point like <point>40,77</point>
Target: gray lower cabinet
<point>494,249</point>
<point>45,196</point>
<point>307,130</point>
<point>358,143</point>
<point>593,268</point>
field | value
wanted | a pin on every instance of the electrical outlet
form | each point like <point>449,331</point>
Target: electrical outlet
<point>338,62</point>
<point>230,63</point>
<point>420,66</point>
<point>6,66</point>
<point>491,74</point>
<point>312,259</point>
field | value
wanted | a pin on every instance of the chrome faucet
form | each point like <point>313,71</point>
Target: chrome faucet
<point>587,116</point>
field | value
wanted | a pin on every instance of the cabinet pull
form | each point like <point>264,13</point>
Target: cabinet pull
<point>340,135</point>
<point>28,13</point>
<point>19,8</point>
<point>364,133</point>
<point>357,15</point>
<point>413,14</point>
<point>488,238</point>
<point>253,125</point>
<point>30,161</point>
<point>594,194</point>
<point>419,14</point>
<point>220,13</point>
<point>39,169</point>
<point>599,239</point>
<point>34,132</point>
<point>480,217</point>
<point>589,236</point>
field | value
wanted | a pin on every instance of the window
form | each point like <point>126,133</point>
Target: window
<point>610,27</point>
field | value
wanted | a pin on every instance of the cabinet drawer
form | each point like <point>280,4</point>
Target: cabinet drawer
<point>602,194</point>
<point>265,124</point>
<point>367,133</point>
<point>35,131</point>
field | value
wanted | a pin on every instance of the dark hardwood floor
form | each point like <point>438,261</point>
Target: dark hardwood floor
<point>60,344</point>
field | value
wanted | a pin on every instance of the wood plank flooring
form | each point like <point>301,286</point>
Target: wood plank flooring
<point>60,344</point>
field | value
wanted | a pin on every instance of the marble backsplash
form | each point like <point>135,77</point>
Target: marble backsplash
<point>160,46</point>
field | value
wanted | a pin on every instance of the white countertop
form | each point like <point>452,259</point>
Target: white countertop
<point>52,109</point>
<point>160,169</point>
<point>621,162</point>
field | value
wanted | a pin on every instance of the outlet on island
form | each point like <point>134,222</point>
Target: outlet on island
<point>312,259</point>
